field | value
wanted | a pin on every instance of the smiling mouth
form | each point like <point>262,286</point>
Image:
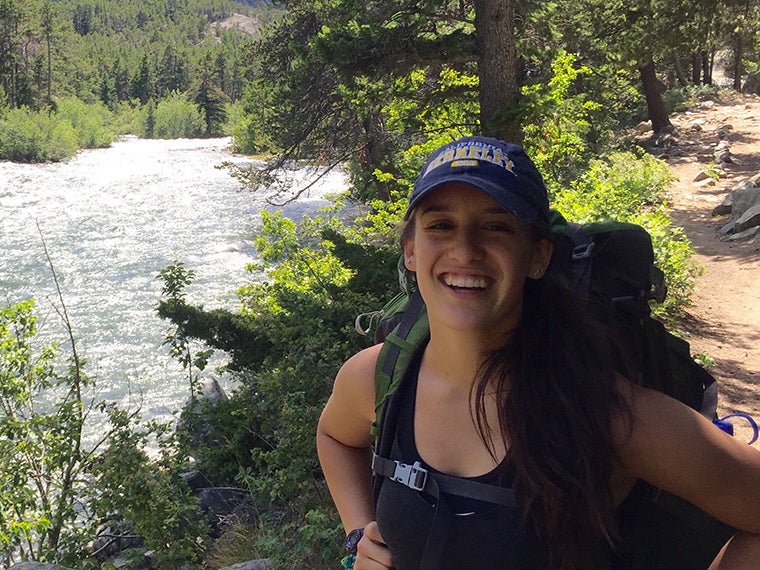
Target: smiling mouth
<point>465,282</point>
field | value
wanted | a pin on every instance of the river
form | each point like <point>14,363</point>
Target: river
<point>112,219</point>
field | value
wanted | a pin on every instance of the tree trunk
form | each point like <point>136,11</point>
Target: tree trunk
<point>658,114</point>
<point>696,68</point>
<point>680,75</point>
<point>738,71</point>
<point>498,69</point>
<point>373,155</point>
<point>706,68</point>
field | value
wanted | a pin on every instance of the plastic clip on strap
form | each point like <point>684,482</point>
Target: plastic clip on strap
<point>413,476</point>
<point>728,427</point>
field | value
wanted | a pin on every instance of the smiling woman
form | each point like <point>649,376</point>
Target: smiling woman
<point>473,257</point>
<point>515,393</point>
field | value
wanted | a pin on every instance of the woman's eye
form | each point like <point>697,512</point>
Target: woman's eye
<point>439,225</point>
<point>499,227</point>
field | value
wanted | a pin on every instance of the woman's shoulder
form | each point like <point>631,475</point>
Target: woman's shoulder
<point>362,363</point>
<point>355,380</point>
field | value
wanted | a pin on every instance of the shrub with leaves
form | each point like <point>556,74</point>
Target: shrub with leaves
<point>56,490</point>
<point>312,282</point>
<point>149,494</point>
<point>29,136</point>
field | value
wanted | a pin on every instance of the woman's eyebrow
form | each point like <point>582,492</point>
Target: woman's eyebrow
<point>443,208</point>
<point>435,209</point>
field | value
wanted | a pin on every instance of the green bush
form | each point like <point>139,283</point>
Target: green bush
<point>127,119</point>
<point>615,187</point>
<point>90,121</point>
<point>174,117</point>
<point>29,136</point>
<point>561,121</point>
<point>56,491</point>
<point>234,116</point>
<point>294,332</point>
<point>679,99</point>
<point>149,495</point>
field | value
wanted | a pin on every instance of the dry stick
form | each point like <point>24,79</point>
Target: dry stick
<point>68,477</point>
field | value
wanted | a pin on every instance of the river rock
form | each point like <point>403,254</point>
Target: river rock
<point>261,564</point>
<point>37,566</point>
<point>212,391</point>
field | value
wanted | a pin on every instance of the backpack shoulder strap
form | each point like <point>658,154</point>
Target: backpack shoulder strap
<point>397,352</point>
<point>393,361</point>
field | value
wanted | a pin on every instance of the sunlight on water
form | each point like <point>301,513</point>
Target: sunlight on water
<point>112,219</point>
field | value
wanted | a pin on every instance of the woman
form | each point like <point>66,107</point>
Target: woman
<point>515,388</point>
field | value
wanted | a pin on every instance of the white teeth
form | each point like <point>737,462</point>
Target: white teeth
<point>465,282</point>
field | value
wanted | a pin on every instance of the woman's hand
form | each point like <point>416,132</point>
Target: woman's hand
<point>371,552</point>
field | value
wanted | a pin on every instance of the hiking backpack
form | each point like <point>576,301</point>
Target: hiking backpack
<point>611,265</point>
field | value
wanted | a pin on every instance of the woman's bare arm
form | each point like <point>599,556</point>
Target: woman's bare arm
<point>676,449</point>
<point>344,445</point>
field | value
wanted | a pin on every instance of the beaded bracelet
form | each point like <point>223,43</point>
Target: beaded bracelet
<point>348,562</point>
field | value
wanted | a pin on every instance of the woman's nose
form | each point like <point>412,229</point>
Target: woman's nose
<point>467,246</point>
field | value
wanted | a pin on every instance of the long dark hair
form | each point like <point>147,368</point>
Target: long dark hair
<point>557,396</point>
<point>555,384</point>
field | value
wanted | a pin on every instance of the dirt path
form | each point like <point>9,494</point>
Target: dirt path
<point>724,321</point>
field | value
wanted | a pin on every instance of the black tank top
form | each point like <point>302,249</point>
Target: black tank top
<point>480,535</point>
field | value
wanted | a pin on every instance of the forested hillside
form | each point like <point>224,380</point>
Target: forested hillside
<point>126,58</point>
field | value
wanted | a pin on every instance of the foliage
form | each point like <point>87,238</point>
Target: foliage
<point>562,119</point>
<point>316,283</point>
<point>615,187</point>
<point>679,99</point>
<point>28,136</point>
<point>673,254</point>
<point>237,543</point>
<point>41,469</point>
<point>149,493</point>
<point>176,278</point>
<point>174,117</point>
<point>56,487</point>
<point>120,54</point>
<point>90,121</point>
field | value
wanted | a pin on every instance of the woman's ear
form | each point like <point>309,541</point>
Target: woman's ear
<point>409,261</point>
<point>541,258</point>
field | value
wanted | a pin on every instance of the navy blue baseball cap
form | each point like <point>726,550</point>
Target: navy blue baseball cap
<point>500,169</point>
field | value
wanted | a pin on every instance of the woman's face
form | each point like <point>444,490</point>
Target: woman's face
<point>472,258</point>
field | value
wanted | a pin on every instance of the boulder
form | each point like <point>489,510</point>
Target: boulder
<point>261,564</point>
<point>749,219</point>
<point>37,566</point>
<point>739,200</point>
<point>746,235</point>
<point>744,199</point>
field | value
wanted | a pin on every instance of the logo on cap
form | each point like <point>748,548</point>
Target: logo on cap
<point>470,154</point>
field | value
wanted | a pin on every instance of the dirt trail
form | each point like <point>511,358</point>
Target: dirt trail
<point>724,321</point>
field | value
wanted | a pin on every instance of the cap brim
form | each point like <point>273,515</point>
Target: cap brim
<point>511,202</point>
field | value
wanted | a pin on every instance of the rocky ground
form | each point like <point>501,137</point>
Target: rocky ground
<point>724,321</point>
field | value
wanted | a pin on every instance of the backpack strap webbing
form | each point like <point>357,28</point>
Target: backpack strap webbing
<point>398,350</point>
<point>388,378</point>
<point>420,479</point>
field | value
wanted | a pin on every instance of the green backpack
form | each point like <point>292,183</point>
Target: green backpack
<point>611,264</point>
